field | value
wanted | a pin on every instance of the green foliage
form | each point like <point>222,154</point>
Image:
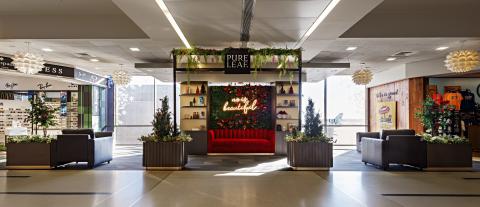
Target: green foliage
<point>2,147</point>
<point>313,129</point>
<point>313,125</point>
<point>163,131</point>
<point>434,117</point>
<point>444,139</point>
<point>162,125</point>
<point>260,58</point>
<point>30,139</point>
<point>41,114</point>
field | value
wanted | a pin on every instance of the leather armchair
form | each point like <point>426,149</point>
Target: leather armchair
<point>360,135</point>
<point>394,147</point>
<point>83,145</point>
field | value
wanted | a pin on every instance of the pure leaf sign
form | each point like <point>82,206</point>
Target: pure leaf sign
<point>237,61</point>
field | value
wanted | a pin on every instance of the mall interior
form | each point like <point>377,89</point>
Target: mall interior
<point>239,103</point>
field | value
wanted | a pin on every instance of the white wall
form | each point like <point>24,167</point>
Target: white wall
<point>388,76</point>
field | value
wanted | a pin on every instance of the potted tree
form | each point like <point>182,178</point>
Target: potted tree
<point>33,151</point>
<point>444,151</point>
<point>164,148</point>
<point>310,149</point>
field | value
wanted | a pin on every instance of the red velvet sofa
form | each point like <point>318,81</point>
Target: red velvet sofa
<point>241,141</point>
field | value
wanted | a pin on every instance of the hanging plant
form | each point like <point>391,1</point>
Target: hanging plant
<point>192,65</point>
<point>258,62</point>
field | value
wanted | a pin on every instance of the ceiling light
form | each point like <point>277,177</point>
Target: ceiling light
<point>462,61</point>
<point>94,60</point>
<point>47,49</point>
<point>317,22</point>
<point>441,48</point>
<point>351,48</point>
<point>27,62</point>
<point>134,49</point>
<point>363,76</point>
<point>391,58</point>
<point>121,77</point>
<point>172,21</point>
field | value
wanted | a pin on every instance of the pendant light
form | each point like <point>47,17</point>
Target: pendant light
<point>28,63</point>
<point>461,61</point>
<point>121,77</point>
<point>363,76</point>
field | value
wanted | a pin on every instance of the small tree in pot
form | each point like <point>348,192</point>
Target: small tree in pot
<point>164,148</point>
<point>310,149</point>
<point>33,151</point>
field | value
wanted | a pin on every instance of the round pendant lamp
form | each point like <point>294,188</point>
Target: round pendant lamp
<point>461,61</point>
<point>121,77</point>
<point>28,63</point>
<point>363,76</point>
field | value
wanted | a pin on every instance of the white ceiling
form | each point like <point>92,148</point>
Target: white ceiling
<point>105,29</point>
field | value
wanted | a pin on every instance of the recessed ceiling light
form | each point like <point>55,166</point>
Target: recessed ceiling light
<point>174,24</point>
<point>391,58</point>
<point>94,60</point>
<point>317,22</point>
<point>47,49</point>
<point>441,48</point>
<point>134,49</point>
<point>149,70</point>
<point>351,48</point>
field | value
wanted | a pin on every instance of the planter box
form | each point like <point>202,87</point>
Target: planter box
<point>30,155</point>
<point>310,155</point>
<point>164,155</point>
<point>449,157</point>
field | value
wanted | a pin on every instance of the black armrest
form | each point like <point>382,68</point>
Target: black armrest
<point>103,134</point>
<point>373,152</point>
<point>101,150</point>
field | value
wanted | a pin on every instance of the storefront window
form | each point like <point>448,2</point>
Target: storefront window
<point>135,107</point>
<point>344,112</point>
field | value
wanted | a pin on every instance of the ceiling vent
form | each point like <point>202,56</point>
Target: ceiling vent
<point>404,54</point>
<point>82,55</point>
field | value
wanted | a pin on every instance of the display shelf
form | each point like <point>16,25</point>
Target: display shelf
<point>192,94</point>
<point>287,95</point>
<point>287,107</point>
<point>194,106</point>
<point>188,92</point>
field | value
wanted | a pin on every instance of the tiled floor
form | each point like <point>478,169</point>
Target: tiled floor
<point>221,188</point>
<point>255,181</point>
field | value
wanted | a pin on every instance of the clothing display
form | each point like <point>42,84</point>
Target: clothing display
<point>453,98</point>
<point>468,102</point>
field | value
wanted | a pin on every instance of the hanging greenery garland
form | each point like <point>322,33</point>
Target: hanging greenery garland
<point>260,58</point>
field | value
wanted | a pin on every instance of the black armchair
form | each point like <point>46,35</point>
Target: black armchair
<point>83,145</point>
<point>360,135</point>
<point>394,147</point>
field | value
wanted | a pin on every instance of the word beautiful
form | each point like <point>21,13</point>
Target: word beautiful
<point>240,104</point>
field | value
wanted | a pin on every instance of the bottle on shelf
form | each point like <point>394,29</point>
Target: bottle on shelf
<point>203,89</point>
<point>187,90</point>
<point>194,101</point>
<point>197,91</point>
<point>290,90</point>
<point>282,90</point>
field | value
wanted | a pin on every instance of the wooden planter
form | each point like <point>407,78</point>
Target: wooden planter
<point>164,155</point>
<point>449,157</point>
<point>30,155</point>
<point>310,155</point>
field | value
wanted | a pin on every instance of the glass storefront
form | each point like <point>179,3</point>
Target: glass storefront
<point>344,104</point>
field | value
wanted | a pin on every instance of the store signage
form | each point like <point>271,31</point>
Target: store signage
<point>240,104</point>
<point>89,77</point>
<point>6,63</point>
<point>58,70</point>
<point>43,86</point>
<point>237,61</point>
<point>387,94</point>
<point>11,85</point>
